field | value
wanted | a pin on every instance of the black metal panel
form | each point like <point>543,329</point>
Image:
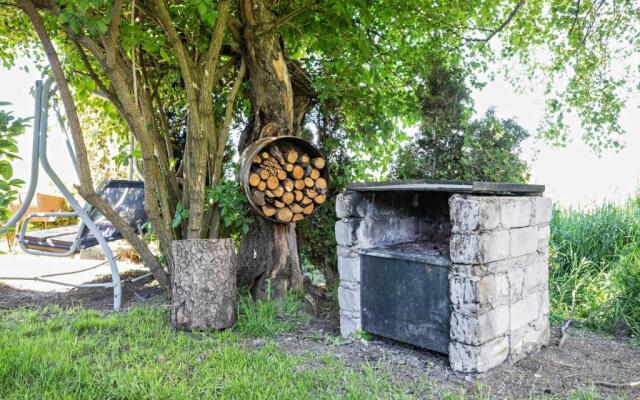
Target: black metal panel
<point>406,300</point>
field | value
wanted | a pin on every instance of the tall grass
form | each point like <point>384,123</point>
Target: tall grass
<point>595,266</point>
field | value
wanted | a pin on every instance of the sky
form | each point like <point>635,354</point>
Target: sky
<point>574,176</point>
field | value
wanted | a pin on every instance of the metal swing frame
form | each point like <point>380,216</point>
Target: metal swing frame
<point>43,92</point>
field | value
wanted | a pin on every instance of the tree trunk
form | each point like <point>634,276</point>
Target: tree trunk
<point>268,253</point>
<point>204,284</point>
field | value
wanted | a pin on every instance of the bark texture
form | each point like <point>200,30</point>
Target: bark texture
<point>204,284</point>
<point>267,250</point>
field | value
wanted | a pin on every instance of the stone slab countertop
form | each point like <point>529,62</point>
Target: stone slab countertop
<point>426,185</point>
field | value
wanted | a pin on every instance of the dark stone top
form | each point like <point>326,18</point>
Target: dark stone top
<point>425,185</point>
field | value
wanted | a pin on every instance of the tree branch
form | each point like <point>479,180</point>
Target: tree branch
<point>226,123</point>
<point>86,184</point>
<point>288,17</point>
<point>113,31</point>
<point>211,59</point>
<point>187,68</point>
<point>500,27</point>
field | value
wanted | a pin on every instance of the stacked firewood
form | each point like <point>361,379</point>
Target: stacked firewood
<point>287,184</point>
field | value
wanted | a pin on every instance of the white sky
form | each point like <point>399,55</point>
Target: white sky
<point>574,176</point>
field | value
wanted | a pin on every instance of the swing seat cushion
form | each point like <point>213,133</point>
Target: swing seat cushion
<point>125,197</point>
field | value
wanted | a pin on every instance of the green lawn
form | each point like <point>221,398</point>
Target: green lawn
<point>56,353</point>
<point>83,354</point>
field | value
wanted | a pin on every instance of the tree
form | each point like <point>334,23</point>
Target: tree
<point>450,145</point>
<point>268,63</point>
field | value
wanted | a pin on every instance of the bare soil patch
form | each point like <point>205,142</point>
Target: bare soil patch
<point>587,358</point>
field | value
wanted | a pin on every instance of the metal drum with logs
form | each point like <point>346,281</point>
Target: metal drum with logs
<point>285,178</point>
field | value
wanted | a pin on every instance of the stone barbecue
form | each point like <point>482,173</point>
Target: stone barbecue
<point>460,268</point>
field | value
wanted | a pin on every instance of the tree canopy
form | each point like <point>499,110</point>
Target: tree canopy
<point>180,75</point>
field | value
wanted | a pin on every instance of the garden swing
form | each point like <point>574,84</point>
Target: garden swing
<point>126,197</point>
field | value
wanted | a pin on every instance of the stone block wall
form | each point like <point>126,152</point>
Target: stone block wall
<point>499,265</point>
<point>498,279</point>
<point>376,219</point>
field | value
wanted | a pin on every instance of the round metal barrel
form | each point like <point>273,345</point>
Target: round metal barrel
<point>246,162</point>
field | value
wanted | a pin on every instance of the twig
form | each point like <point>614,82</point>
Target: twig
<point>565,327</point>
<point>618,385</point>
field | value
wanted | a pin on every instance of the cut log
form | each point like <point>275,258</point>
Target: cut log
<point>321,183</point>
<point>288,198</point>
<point>264,174</point>
<point>291,155</point>
<point>262,186</point>
<point>308,209</point>
<point>278,204</point>
<point>299,184</point>
<point>306,201</point>
<point>284,214</point>
<point>308,182</point>
<point>279,191</point>
<point>297,217</point>
<point>299,195</point>
<point>254,179</point>
<point>318,162</point>
<point>319,199</point>
<point>204,284</point>
<point>288,167</point>
<point>257,159</point>
<point>270,194</point>
<point>288,185</point>
<point>314,174</point>
<point>304,160</point>
<point>281,175</point>
<point>296,208</point>
<point>268,211</point>
<point>257,197</point>
<point>311,193</point>
<point>272,182</point>
<point>298,172</point>
<point>264,155</point>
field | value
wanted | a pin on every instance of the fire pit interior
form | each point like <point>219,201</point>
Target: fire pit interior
<point>455,267</point>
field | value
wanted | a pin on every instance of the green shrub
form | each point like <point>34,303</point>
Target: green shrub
<point>10,128</point>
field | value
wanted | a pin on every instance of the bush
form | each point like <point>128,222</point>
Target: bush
<point>595,265</point>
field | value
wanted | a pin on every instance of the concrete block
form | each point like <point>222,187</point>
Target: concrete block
<point>464,248</point>
<point>463,290</point>
<point>473,248</point>
<point>481,328</point>
<point>494,246</point>
<point>350,323</point>
<point>544,235</point>
<point>474,213</point>
<point>464,212</point>
<point>515,211</point>
<point>516,283</point>
<point>528,338</point>
<point>349,297</point>
<point>523,241</point>
<point>524,311</point>
<point>351,205</point>
<point>349,268</point>
<point>469,358</point>
<point>346,232</point>
<point>542,210</point>
<point>536,277</point>
<point>493,290</point>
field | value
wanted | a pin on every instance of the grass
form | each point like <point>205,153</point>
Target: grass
<point>595,266</point>
<point>83,354</point>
